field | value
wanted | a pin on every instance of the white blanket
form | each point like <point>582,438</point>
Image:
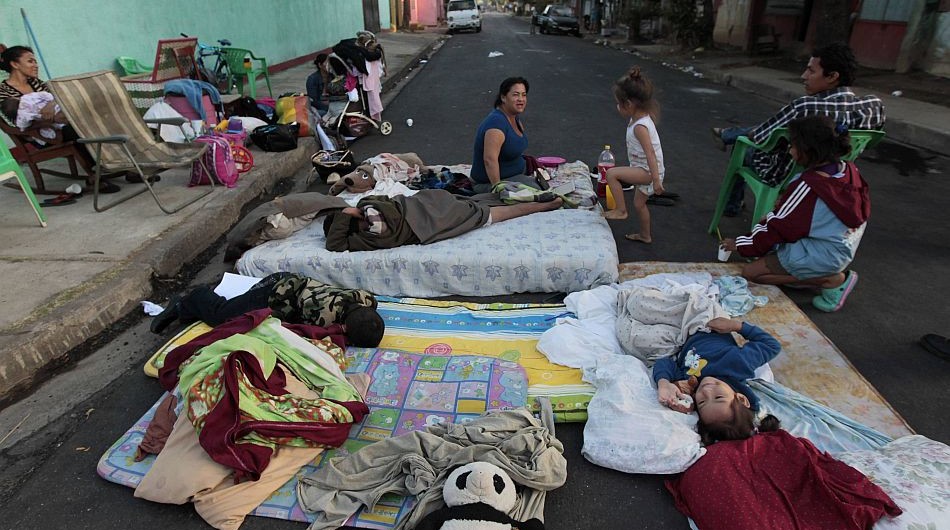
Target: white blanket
<point>627,429</point>
<point>653,323</point>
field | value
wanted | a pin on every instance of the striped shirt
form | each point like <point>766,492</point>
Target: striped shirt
<point>839,103</point>
<point>8,91</point>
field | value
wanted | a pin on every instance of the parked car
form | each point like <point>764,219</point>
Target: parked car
<point>558,19</point>
<point>463,14</point>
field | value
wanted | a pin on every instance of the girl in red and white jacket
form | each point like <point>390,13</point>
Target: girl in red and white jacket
<point>811,236</point>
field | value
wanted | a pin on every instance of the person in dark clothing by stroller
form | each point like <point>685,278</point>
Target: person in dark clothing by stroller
<point>315,86</point>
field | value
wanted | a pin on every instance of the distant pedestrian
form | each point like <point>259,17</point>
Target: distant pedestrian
<point>635,102</point>
<point>811,236</point>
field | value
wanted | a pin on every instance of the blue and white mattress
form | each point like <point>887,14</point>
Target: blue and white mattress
<point>564,250</point>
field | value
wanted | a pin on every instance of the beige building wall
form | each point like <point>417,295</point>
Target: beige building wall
<point>732,21</point>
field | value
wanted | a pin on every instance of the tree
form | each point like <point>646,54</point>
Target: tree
<point>833,22</point>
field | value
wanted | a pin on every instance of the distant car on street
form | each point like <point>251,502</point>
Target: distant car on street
<point>557,19</point>
<point>463,14</point>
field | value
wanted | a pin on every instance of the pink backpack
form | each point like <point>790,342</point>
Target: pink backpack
<point>218,159</point>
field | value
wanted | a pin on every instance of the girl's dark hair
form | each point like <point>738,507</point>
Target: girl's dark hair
<point>633,86</point>
<point>819,140</point>
<point>506,87</point>
<point>11,55</point>
<point>741,427</point>
<point>321,58</point>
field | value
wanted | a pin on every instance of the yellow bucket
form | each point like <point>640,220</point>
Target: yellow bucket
<point>610,200</point>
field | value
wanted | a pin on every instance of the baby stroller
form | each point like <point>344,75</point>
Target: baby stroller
<point>354,64</point>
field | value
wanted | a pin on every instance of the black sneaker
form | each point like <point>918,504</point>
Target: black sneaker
<point>717,138</point>
<point>733,210</point>
<point>108,187</point>
<point>166,317</point>
<point>937,345</point>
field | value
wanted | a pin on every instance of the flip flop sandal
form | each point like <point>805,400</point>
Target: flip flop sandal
<point>637,238</point>
<point>660,201</point>
<point>60,200</point>
<point>669,195</point>
<point>108,187</point>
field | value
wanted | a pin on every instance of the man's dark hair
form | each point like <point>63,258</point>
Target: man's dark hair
<point>837,57</point>
<point>364,327</point>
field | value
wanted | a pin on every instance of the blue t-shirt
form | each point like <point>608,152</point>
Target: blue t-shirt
<point>510,161</point>
<point>718,355</point>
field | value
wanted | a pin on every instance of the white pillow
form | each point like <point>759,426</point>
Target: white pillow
<point>627,429</point>
<point>250,124</point>
<point>915,472</point>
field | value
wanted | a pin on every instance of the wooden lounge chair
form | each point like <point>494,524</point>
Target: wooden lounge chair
<point>102,113</point>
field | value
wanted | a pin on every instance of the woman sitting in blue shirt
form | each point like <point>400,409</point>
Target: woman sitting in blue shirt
<point>501,140</point>
<point>315,85</point>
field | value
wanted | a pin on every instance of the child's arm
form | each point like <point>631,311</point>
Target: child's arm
<point>643,136</point>
<point>785,224</point>
<point>760,348</point>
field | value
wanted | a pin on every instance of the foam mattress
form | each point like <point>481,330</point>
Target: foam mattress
<point>564,250</point>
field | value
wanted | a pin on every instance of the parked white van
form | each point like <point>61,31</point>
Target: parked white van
<point>463,14</point>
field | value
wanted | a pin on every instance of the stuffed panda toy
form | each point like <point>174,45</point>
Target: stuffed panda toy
<point>478,496</point>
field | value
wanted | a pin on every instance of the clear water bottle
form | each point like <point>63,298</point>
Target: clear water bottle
<point>605,162</point>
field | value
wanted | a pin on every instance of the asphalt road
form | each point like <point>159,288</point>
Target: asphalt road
<point>49,480</point>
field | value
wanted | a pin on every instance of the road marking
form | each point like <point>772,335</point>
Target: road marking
<point>536,51</point>
<point>704,90</point>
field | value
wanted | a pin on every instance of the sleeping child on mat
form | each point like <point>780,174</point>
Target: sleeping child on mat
<point>709,374</point>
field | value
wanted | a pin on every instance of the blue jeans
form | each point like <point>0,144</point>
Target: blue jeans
<point>729,135</point>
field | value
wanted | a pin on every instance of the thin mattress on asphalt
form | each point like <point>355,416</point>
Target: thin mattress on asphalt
<point>506,331</point>
<point>809,363</point>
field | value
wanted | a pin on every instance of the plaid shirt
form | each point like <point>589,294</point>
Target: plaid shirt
<point>375,220</point>
<point>840,103</point>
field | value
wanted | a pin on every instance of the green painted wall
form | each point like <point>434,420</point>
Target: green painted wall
<point>384,14</point>
<point>85,35</point>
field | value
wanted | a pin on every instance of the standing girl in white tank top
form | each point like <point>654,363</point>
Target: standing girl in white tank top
<point>634,95</point>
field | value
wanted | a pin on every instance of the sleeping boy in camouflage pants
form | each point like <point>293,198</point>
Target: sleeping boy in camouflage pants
<point>291,298</point>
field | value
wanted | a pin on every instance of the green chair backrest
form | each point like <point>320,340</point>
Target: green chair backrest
<point>235,58</point>
<point>132,66</point>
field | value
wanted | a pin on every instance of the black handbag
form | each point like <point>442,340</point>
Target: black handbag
<point>327,162</point>
<point>276,138</point>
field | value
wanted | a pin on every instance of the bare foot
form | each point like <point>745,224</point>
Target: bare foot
<point>638,237</point>
<point>615,215</point>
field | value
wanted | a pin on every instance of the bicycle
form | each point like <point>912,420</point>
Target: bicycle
<point>219,74</point>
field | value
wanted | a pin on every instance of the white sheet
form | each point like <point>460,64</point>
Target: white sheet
<point>627,429</point>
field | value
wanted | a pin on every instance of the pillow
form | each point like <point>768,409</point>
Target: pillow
<point>915,472</point>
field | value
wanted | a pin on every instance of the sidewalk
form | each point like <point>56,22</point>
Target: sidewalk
<point>909,121</point>
<point>67,283</point>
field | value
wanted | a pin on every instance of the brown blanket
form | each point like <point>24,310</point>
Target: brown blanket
<point>246,233</point>
<point>426,217</point>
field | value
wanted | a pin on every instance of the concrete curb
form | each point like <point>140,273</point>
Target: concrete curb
<point>53,330</point>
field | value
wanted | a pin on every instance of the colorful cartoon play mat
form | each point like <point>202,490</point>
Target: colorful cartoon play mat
<point>508,332</point>
<point>408,392</point>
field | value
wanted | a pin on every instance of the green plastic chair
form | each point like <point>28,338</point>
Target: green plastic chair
<point>765,195</point>
<point>9,167</point>
<point>239,72</point>
<point>132,66</point>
